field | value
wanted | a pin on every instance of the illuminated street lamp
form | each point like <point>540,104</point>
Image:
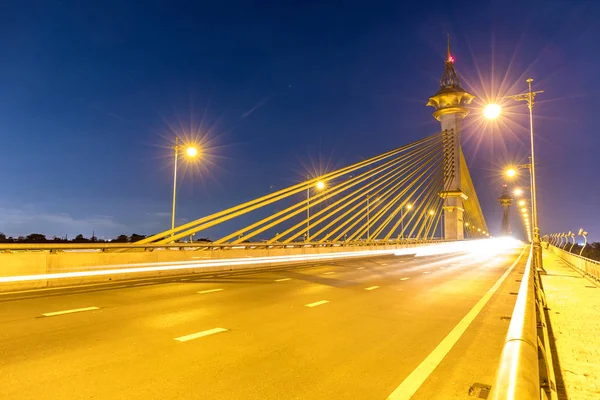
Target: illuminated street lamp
<point>492,111</point>
<point>529,97</point>
<point>320,185</point>
<point>518,192</point>
<point>522,202</point>
<point>190,151</point>
<point>510,172</point>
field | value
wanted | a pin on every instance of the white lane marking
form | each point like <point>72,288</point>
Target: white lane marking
<point>145,283</point>
<point>360,268</point>
<point>426,272</point>
<point>404,279</point>
<point>372,288</point>
<point>329,273</point>
<point>210,291</point>
<point>283,279</point>
<point>75,310</point>
<point>317,303</point>
<point>200,334</point>
<point>416,378</point>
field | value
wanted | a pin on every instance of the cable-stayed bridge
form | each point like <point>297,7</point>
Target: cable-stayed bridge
<point>398,195</point>
<point>374,281</point>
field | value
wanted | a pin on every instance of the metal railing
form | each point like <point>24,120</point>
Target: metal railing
<point>201,246</point>
<point>586,266</point>
<point>526,371</point>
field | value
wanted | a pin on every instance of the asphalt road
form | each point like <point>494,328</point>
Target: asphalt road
<point>354,329</point>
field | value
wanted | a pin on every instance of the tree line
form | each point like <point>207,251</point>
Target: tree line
<point>41,238</point>
<point>591,251</point>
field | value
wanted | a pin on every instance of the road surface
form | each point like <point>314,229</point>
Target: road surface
<point>356,329</point>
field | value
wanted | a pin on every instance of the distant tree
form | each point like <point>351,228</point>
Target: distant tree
<point>80,239</point>
<point>20,239</point>
<point>121,239</point>
<point>2,238</point>
<point>135,237</point>
<point>35,238</point>
<point>205,240</point>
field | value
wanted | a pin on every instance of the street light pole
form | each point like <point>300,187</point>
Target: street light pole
<point>190,151</point>
<point>368,219</point>
<point>176,150</point>
<point>529,97</point>
<point>308,212</point>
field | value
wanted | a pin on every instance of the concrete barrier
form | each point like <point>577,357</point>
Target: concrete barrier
<point>23,270</point>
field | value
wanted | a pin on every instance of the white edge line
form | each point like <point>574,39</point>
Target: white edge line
<point>283,279</point>
<point>413,382</point>
<point>200,334</point>
<point>372,288</point>
<point>75,310</point>
<point>404,279</point>
<point>317,303</point>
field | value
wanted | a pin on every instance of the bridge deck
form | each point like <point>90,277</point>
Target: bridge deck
<point>574,310</point>
<point>346,330</point>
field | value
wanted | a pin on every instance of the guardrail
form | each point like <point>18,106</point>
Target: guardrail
<point>54,247</point>
<point>586,266</point>
<point>526,371</point>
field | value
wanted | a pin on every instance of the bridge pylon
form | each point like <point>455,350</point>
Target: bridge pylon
<point>450,108</point>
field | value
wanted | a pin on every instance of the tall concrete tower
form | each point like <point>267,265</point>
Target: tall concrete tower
<point>505,201</point>
<point>450,108</point>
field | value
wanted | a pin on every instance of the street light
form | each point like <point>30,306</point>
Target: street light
<point>529,97</point>
<point>320,185</point>
<point>190,151</point>
<point>408,208</point>
<point>492,111</point>
<point>522,202</point>
<point>511,172</point>
<point>584,234</point>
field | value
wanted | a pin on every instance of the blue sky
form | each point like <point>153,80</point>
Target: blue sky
<point>93,93</point>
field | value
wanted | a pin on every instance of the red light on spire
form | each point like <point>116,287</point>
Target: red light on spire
<point>450,58</point>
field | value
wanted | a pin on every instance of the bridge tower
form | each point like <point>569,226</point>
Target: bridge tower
<point>505,201</point>
<point>450,104</point>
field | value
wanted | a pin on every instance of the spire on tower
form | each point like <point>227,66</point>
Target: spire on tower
<point>450,79</point>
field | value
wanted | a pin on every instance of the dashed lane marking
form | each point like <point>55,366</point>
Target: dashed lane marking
<point>210,291</point>
<point>75,310</point>
<point>200,334</point>
<point>317,303</point>
<point>283,279</point>
<point>372,288</point>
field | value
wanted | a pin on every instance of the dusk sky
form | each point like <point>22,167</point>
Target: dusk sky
<point>92,93</point>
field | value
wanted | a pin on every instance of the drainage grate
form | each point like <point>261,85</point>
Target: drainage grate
<point>480,390</point>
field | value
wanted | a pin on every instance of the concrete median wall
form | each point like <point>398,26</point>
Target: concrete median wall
<point>34,265</point>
